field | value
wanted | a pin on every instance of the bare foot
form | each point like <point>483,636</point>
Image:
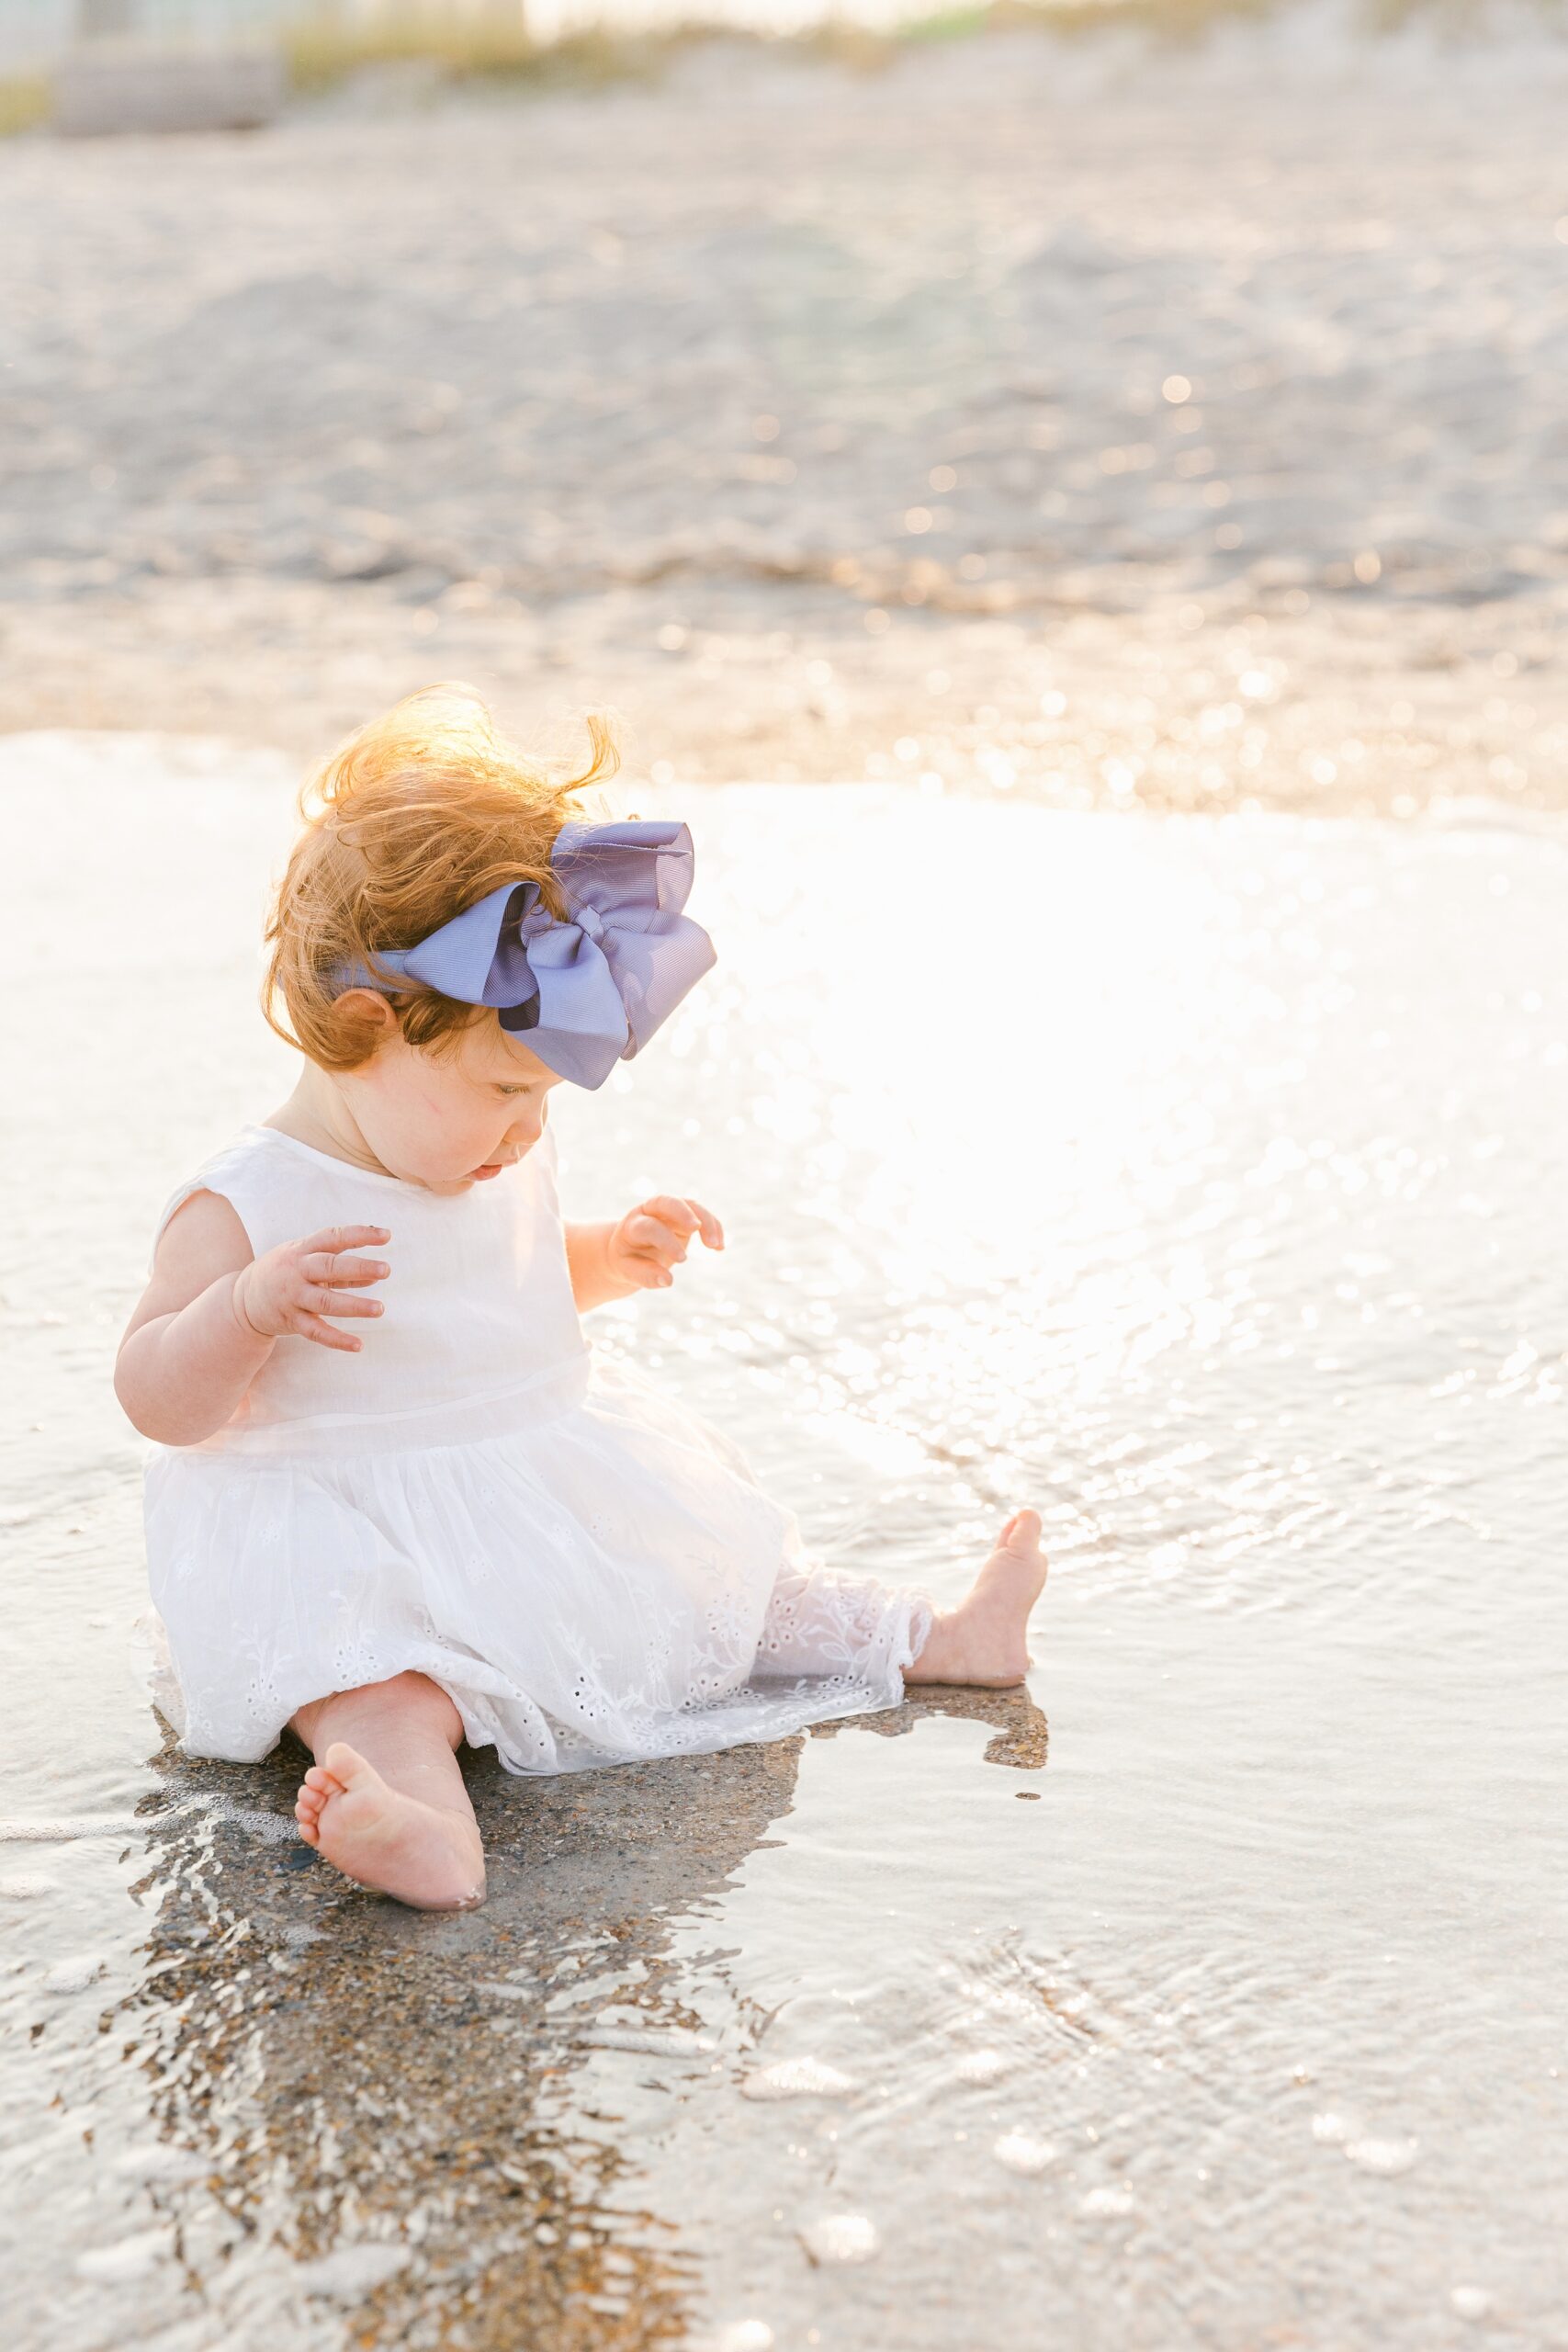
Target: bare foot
<point>374,1833</point>
<point>985,1639</point>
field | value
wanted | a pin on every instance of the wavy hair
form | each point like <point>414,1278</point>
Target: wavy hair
<point>421,814</point>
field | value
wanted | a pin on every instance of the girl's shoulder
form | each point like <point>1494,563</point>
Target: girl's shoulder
<point>281,1190</point>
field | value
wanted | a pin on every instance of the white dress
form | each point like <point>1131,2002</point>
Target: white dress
<point>587,1567</point>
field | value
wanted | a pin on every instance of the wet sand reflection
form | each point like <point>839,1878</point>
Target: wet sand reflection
<point>369,2112</point>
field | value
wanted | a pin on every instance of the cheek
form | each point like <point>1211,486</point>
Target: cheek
<point>436,1120</point>
<point>434,1110</point>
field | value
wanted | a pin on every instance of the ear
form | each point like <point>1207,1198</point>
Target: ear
<point>369,1006</point>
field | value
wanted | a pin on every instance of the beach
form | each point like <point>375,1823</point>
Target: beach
<point>1109,424</point>
<point>1200,1994</point>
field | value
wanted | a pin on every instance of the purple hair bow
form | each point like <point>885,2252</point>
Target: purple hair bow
<point>589,992</point>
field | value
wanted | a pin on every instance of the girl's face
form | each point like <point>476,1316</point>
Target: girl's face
<point>452,1120</point>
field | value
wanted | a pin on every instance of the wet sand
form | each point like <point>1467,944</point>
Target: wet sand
<point>830,424</point>
<point>378,2098</point>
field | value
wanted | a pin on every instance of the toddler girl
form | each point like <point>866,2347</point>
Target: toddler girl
<point>481,1527</point>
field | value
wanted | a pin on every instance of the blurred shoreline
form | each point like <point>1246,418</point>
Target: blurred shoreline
<point>1103,421</point>
<point>1360,724</point>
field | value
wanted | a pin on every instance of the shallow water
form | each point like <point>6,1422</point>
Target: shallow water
<point>1199,1180</point>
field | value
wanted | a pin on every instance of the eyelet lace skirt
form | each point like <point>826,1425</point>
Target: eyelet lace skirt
<point>605,1583</point>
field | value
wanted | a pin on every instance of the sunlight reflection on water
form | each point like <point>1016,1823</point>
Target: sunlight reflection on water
<point>1199,1180</point>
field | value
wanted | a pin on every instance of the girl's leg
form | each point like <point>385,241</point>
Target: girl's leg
<point>385,1799</point>
<point>986,1639</point>
<point>819,1622</point>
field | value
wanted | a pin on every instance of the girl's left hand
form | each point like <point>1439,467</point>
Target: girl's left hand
<point>654,1237</point>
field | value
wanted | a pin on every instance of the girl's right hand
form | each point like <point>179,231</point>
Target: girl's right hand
<point>292,1288</point>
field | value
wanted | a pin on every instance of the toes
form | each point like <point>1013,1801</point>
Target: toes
<point>345,1765</point>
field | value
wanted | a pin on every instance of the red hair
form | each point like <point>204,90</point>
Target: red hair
<point>422,813</point>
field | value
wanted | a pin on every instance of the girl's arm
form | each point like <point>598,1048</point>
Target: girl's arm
<point>213,1312</point>
<point>638,1251</point>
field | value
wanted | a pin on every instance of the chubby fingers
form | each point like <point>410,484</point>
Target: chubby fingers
<point>670,1222</point>
<point>330,1276</point>
<point>313,1327</point>
<point>656,1233</point>
<point>333,1237</point>
<point>708,1225</point>
<point>323,1294</point>
<point>339,1272</point>
<point>650,1247</point>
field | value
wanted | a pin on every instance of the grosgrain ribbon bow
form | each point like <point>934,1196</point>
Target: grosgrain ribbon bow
<point>590,991</point>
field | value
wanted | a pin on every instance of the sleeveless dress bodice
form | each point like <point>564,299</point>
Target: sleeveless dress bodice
<point>480,1330</point>
<point>481,1495</point>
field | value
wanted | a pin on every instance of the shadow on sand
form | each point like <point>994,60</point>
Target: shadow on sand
<point>373,2093</point>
